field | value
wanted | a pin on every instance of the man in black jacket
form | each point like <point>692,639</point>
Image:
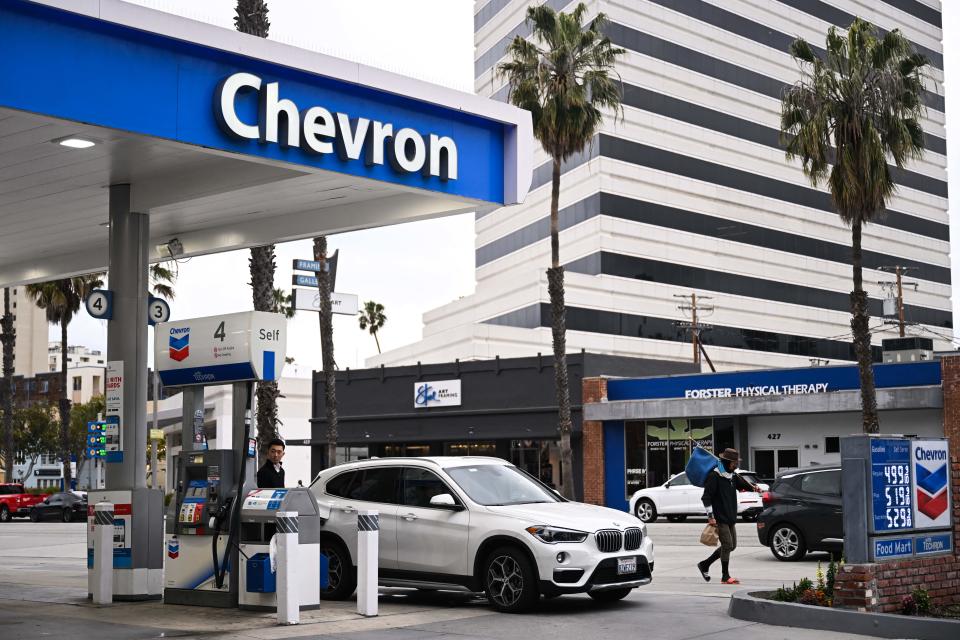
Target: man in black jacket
<point>271,474</point>
<point>720,499</point>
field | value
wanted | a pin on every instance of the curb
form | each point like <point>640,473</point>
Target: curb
<point>744,606</point>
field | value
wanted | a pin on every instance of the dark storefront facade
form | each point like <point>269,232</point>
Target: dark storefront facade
<point>504,408</point>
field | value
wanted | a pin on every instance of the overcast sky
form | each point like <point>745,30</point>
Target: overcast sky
<point>408,268</point>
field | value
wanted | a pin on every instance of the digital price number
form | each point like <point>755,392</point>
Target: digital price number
<point>892,498</point>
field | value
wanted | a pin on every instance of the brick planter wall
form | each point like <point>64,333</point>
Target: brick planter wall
<point>882,586</point>
<point>594,390</point>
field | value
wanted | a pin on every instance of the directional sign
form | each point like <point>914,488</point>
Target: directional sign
<point>313,266</point>
<point>304,281</point>
<point>100,304</point>
<point>346,304</point>
<point>157,311</point>
<point>307,265</point>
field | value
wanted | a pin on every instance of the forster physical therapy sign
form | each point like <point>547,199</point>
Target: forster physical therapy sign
<point>317,130</point>
<point>759,390</point>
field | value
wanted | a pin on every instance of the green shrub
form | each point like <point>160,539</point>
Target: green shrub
<point>922,598</point>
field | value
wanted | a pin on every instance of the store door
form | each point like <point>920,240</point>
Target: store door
<point>767,463</point>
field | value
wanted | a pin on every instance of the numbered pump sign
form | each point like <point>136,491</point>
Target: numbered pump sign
<point>896,498</point>
<point>221,349</point>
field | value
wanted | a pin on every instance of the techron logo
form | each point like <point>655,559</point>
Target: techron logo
<point>318,131</point>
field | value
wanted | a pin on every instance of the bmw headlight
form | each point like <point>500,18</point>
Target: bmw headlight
<point>554,535</point>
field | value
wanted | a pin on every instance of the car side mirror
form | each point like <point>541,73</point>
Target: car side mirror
<point>445,501</point>
<point>666,485</point>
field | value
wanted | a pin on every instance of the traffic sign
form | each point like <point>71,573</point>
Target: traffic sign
<point>157,311</point>
<point>99,304</point>
<point>346,304</point>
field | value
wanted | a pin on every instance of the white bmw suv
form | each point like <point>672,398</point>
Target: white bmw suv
<point>478,524</point>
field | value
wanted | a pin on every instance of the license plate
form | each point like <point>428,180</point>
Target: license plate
<point>626,565</point>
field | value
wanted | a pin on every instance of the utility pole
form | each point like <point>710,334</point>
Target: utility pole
<point>898,284</point>
<point>694,325</point>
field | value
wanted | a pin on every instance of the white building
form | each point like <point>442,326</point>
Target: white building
<point>31,329</point>
<point>691,192</point>
<point>77,356</point>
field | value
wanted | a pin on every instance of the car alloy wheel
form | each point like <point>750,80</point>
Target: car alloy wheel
<point>646,511</point>
<point>4,514</point>
<point>34,516</point>
<point>341,576</point>
<point>786,544</point>
<point>509,581</point>
<point>67,515</point>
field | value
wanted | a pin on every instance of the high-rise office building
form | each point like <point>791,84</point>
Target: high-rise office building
<point>690,192</point>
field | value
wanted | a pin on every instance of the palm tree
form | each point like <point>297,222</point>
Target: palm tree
<point>326,348</point>
<point>372,319</point>
<point>283,303</point>
<point>854,108</point>
<point>9,338</point>
<point>564,78</point>
<point>61,300</point>
<point>251,18</point>
<point>162,280</point>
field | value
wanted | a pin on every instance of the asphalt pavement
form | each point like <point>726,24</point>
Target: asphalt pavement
<point>43,595</point>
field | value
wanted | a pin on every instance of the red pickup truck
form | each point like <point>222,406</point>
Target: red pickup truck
<point>15,502</point>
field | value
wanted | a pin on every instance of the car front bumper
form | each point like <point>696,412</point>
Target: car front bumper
<point>586,569</point>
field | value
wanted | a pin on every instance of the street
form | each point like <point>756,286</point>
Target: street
<point>43,595</point>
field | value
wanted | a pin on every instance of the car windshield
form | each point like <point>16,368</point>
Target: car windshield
<point>750,477</point>
<point>495,485</point>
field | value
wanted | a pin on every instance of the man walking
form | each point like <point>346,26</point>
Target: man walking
<point>720,499</point>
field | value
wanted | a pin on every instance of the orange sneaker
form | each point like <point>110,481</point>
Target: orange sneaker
<point>730,581</point>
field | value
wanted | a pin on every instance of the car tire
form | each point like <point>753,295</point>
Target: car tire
<point>5,513</point>
<point>787,544</point>
<point>34,516</point>
<point>342,574</point>
<point>509,581</point>
<point>610,595</point>
<point>67,515</point>
<point>676,518</point>
<point>646,511</point>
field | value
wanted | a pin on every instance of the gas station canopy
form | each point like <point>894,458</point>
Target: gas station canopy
<point>226,140</point>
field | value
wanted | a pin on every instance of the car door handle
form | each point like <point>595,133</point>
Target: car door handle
<point>348,509</point>
<point>409,517</point>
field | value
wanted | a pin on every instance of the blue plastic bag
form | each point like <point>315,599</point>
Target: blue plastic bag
<point>701,463</point>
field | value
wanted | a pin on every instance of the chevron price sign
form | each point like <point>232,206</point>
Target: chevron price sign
<point>930,463</point>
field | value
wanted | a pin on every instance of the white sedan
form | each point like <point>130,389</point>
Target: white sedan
<point>677,498</point>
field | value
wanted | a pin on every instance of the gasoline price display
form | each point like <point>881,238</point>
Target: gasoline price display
<point>892,504</point>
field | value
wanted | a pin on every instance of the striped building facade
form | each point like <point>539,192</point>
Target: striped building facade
<point>690,192</point>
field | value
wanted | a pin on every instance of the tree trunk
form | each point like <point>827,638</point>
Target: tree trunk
<point>262,268</point>
<point>558,319</point>
<point>251,18</point>
<point>377,340</point>
<point>64,409</point>
<point>860,324</point>
<point>8,336</point>
<point>326,348</point>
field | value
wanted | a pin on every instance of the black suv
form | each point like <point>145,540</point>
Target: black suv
<point>803,511</point>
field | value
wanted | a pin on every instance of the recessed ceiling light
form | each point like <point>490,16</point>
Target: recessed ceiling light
<point>75,143</point>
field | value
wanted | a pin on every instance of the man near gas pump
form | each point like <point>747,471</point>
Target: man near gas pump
<point>271,474</point>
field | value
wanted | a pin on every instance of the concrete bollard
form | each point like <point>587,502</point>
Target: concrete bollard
<point>368,551</point>
<point>102,584</point>
<point>288,552</point>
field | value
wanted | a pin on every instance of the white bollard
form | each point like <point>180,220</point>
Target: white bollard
<point>368,550</point>
<point>102,586</point>
<point>288,548</point>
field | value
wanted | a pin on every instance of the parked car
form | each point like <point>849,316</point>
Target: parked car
<point>15,502</point>
<point>478,524</point>
<point>67,506</point>
<point>803,512</point>
<point>677,498</point>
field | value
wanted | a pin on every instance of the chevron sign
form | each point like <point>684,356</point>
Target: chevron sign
<point>930,460</point>
<point>179,344</point>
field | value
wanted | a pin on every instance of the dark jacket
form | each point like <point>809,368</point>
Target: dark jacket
<point>720,495</point>
<point>268,478</point>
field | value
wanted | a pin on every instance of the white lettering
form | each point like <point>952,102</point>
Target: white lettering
<point>318,130</point>
<point>226,96</point>
<point>271,108</point>
<point>400,157</point>
<point>381,134</point>
<point>444,170</point>
<point>351,134</point>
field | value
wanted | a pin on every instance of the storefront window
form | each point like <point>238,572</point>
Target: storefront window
<point>668,447</point>
<point>534,457</point>
<point>469,449</point>
<point>636,450</point>
<point>405,450</point>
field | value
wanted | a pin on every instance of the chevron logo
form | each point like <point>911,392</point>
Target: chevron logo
<point>931,490</point>
<point>180,346</point>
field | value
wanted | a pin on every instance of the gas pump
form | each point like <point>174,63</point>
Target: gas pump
<point>201,564</point>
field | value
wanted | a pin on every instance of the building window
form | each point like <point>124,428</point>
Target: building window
<point>96,384</point>
<point>77,381</point>
<point>44,386</point>
<point>832,444</point>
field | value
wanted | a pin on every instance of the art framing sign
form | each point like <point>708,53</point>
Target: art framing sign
<point>436,393</point>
